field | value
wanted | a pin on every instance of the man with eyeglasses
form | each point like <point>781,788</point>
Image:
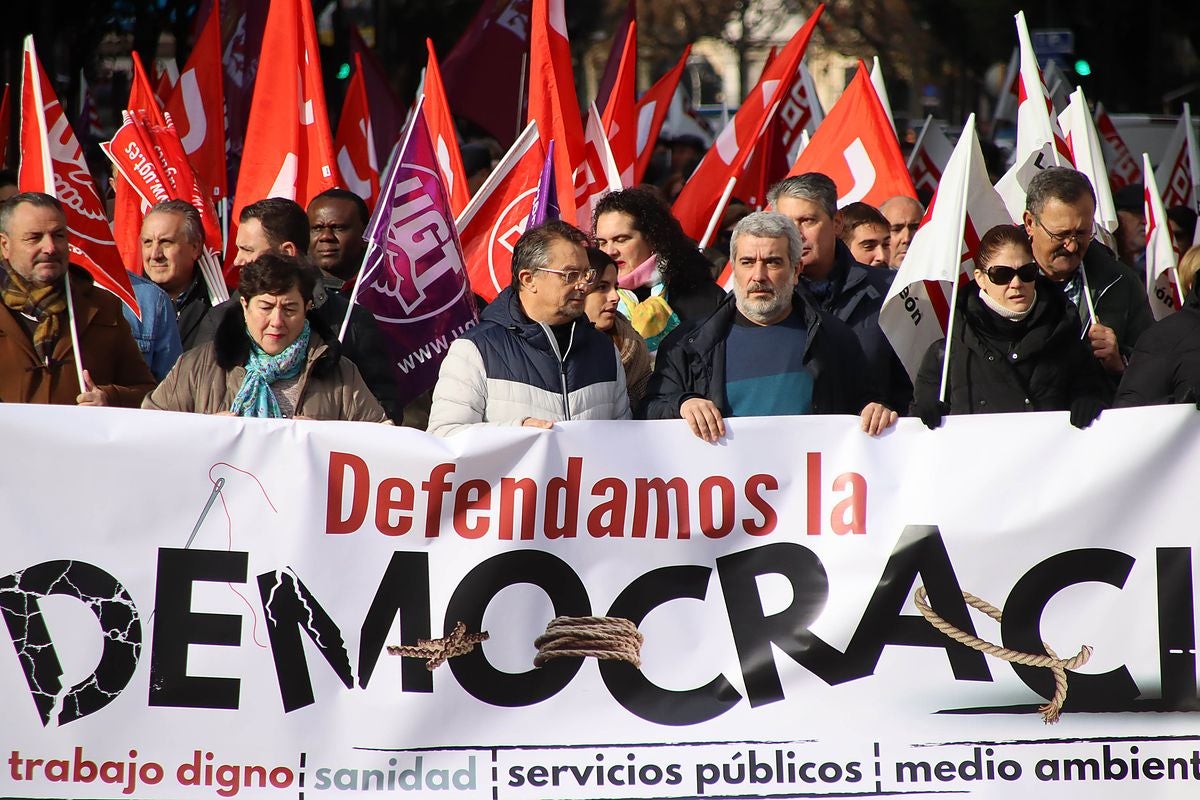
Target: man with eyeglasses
<point>1112,304</point>
<point>534,359</point>
<point>768,350</point>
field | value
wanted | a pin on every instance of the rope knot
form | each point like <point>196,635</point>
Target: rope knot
<point>589,637</point>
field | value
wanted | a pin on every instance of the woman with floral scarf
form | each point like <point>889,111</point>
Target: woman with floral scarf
<point>268,358</point>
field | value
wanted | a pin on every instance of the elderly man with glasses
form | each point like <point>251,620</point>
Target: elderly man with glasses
<point>1110,299</point>
<point>534,359</point>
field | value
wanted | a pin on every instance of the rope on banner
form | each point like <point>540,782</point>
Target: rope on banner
<point>437,651</point>
<point>1058,666</point>
<point>611,638</point>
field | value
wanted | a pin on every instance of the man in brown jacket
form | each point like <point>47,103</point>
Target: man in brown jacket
<point>37,359</point>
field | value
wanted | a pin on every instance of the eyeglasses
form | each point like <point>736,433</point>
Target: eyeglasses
<point>1080,237</point>
<point>573,277</point>
<point>1002,276</point>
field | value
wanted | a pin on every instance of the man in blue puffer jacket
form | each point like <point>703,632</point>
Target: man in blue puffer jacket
<point>534,359</point>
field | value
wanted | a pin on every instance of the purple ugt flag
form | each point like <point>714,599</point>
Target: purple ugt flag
<point>413,278</point>
<point>545,202</point>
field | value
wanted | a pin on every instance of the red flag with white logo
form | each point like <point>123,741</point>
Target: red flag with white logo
<point>197,107</point>
<point>600,172</point>
<point>856,146</point>
<point>289,150</point>
<point>442,134</point>
<point>652,109</point>
<point>129,209</point>
<point>52,162</point>
<point>1162,275</point>
<point>706,193</point>
<point>354,143</point>
<point>552,99</point>
<point>494,220</point>
<point>619,120</point>
<point>915,313</point>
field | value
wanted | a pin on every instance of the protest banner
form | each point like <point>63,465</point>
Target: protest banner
<point>220,626</point>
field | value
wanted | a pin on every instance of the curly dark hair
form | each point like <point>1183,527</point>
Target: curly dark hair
<point>682,266</point>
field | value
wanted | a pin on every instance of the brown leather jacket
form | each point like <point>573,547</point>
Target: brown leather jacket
<point>328,389</point>
<point>110,354</point>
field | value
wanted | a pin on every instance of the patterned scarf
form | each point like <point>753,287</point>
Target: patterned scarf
<point>45,304</point>
<point>255,398</point>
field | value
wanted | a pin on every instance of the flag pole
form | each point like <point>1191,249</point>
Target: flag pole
<point>718,213</point>
<point>521,93</point>
<point>962,225</point>
<point>920,139</point>
<point>372,233</point>
<point>78,357</point>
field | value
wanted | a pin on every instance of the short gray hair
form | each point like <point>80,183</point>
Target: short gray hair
<point>36,199</point>
<point>1057,183</point>
<point>768,225</point>
<point>193,226</point>
<point>815,187</point>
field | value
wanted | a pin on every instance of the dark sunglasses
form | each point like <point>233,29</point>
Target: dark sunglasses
<point>1002,276</point>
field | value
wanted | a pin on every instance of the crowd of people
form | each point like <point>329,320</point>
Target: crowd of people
<point>626,320</point>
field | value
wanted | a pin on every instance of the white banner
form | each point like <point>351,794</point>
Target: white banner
<point>201,607</point>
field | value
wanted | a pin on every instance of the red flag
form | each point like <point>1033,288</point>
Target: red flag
<point>354,144</point>
<point>52,162</point>
<point>288,151</point>
<point>5,126</point>
<point>441,133</point>
<point>496,217</point>
<point>387,112</point>
<point>552,99</point>
<point>856,146</point>
<point>128,207</point>
<point>166,76</point>
<point>652,109</point>
<point>197,107</point>
<point>496,44</point>
<point>1123,168</point>
<point>619,120</point>
<point>704,195</point>
<point>243,24</point>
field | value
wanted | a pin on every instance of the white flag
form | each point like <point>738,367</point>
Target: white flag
<point>881,90</point>
<point>1084,141</point>
<point>1178,172</point>
<point>929,156</point>
<point>915,312</point>
<point>1162,279</point>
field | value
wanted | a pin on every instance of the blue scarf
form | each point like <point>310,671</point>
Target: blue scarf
<point>255,398</point>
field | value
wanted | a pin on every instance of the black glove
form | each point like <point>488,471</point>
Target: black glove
<point>931,413</point>
<point>1085,411</point>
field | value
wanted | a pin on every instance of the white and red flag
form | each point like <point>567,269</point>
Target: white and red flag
<point>856,146</point>
<point>703,199</point>
<point>929,156</point>
<point>881,90</point>
<point>354,142</point>
<point>1010,91</point>
<point>600,172</point>
<point>443,135</point>
<point>52,162</point>
<point>1040,141</point>
<point>1088,157</point>
<point>494,220</point>
<point>1162,275</point>
<point>166,75</point>
<point>916,311</point>
<point>1178,173</point>
<point>552,100</point>
<point>619,117</point>
<point>197,107</point>
<point>652,109</point>
<point>1123,169</point>
<point>289,150</point>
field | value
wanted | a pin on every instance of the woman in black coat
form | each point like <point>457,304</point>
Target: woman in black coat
<point>1016,343</point>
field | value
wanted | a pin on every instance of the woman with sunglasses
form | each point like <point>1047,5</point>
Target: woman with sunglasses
<point>1016,346</point>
